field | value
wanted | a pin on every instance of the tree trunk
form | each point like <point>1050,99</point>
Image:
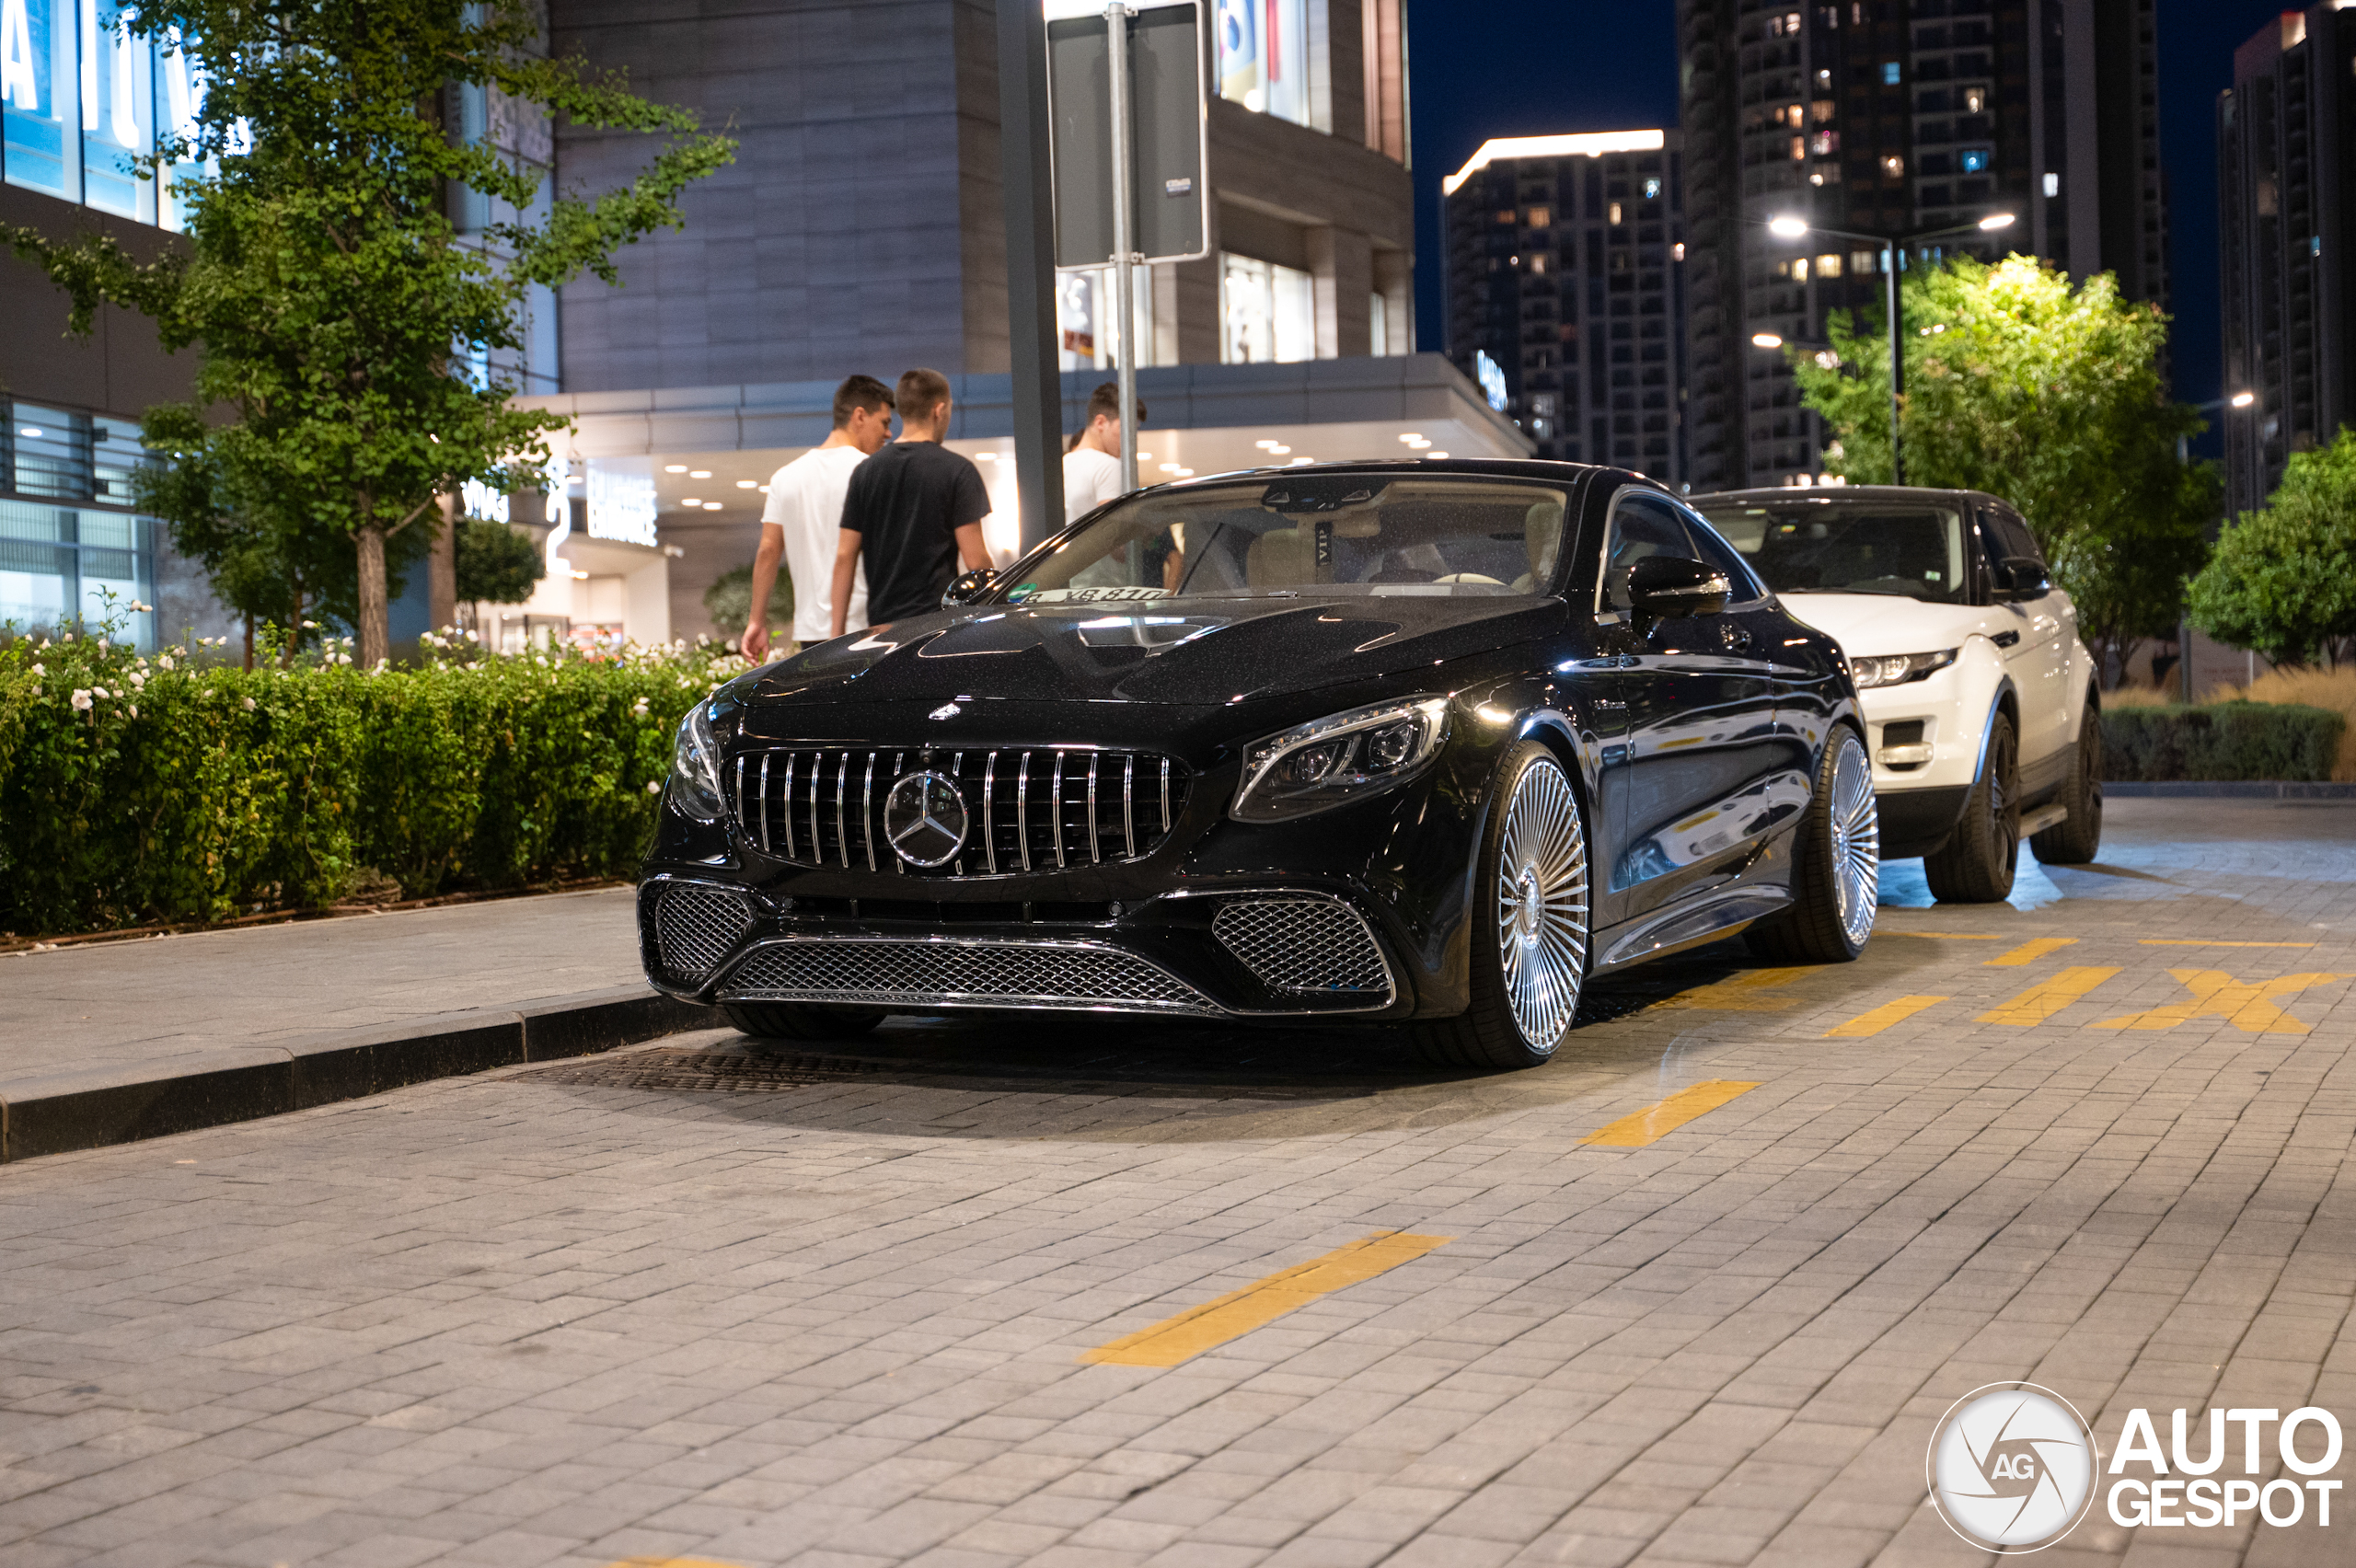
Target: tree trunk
<point>375,629</point>
<point>249,642</point>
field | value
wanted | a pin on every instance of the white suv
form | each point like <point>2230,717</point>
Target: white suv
<point>1981,702</point>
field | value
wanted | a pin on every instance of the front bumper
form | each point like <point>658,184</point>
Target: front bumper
<point>1237,952</point>
<point>1919,822</point>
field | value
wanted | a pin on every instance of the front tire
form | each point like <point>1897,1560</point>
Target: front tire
<point>1976,865</point>
<point>2077,840</point>
<point>800,1022</point>
<point>1531,923</point>
<point>1836,866</point>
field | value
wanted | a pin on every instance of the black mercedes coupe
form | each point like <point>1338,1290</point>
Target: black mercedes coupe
<point>1425,744</point>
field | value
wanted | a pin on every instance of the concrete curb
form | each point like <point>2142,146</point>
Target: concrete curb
<point>98,1107</point>
<point>2238,790</point>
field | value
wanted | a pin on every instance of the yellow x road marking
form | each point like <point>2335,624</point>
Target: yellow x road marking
<point>2216,993</point>
<point>1748,992</point>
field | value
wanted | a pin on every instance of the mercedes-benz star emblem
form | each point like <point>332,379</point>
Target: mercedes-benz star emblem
<point>924,818</point>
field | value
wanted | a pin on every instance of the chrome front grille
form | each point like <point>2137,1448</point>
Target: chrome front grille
<point>885,972</point>
<point>1040,809</point>
<point>697,927</point>
<point>1302,946</point>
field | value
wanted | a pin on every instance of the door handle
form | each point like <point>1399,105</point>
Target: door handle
<point>2006,639</point>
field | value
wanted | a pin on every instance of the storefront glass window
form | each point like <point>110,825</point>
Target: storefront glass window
<point>118,113</point>
<point>1264,56</point>
<point>179,90</point>
<point>1086,336</point>
<point>58,562</point>
<point>38,100</point>
<point>1269,312</point>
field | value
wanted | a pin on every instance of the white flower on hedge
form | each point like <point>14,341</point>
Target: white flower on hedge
<point>39,671</point>
<point>98,691</point>
<point>82,701</point>
<point>139,680</point>
<point>655,786</point>
<point>343,658</point>
<point>133,710</point>
<point>310,626</point>
<point>249,704</point>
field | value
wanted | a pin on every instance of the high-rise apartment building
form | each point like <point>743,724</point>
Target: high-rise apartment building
<point>2286,192</point>
<point>1894,118</point>
<point>1566,293</point>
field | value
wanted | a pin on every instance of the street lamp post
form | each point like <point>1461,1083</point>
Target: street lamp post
<point>1788,227</point>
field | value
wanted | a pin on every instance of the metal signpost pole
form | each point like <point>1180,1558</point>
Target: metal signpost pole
<point>1125,304</point>
<point>1897,357</point>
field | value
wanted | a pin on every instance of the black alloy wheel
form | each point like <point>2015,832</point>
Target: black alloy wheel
<point>1836,866</point>
<point>801,1021</point>
<point>1976,865</point>
<point>1530,925</point>
<point>2077,840</point>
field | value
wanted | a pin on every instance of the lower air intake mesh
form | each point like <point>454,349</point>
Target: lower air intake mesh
<point>697,927</point>
<point>949,973</point>
<point>1301,946</point>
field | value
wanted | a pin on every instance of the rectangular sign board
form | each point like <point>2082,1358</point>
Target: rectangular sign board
<point>1167,143</point>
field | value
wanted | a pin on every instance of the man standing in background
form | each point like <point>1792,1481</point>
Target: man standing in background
<point>913,512</point>
<point>804,515</point>
<point>1092,466</point>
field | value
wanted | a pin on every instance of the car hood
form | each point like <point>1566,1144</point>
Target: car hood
<point>1869,625</point>
<point>1209,652</point>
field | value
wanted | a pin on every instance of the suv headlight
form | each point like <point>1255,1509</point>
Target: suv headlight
<point>1895,669</point>
<point>1345,757</point>
<point>695,765</point>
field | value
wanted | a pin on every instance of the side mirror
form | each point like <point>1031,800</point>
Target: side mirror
<point>1669,587</point>
<point>968,588</point>
<point>2022,577</point>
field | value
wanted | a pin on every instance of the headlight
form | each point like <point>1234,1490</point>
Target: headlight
<point>1349,755</point>
<point>1895,669</point>
<point>695,767</point>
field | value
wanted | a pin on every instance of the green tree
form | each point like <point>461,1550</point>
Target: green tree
<point>496,564</point>
<point>336,305</point>
<point>729,602</point>
<point>2283,582</point>
<point>2045,395</point>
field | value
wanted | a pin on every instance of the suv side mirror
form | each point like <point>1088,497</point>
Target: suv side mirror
<point>968,588</point>
<point>2022,577</point>
<point>1669,587</point>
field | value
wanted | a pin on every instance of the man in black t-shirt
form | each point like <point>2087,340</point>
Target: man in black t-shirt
<point>914,509</point>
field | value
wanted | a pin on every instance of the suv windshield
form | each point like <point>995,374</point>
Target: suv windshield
<point>1434,535</point>
<point>1849,546</point>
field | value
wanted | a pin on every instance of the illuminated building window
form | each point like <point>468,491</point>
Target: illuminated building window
<point>1264,56</point>
<point>1267,313</point>
<point>1828,266</point>
<point>1972,160</point>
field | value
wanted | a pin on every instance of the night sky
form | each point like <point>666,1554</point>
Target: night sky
<point>1528,67</point>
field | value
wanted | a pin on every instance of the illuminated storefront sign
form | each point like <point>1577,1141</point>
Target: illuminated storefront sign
<point>1491,377</point>
<point>621,504</point>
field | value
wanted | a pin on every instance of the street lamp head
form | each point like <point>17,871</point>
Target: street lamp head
<point>1997,221</point>
<point>1766,340</point>
<point>2244,399</point>
<point>1788,227</point>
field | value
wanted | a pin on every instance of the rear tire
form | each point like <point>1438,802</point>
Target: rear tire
<point>2078,839</point>
<point>1976,865</point>
<point>1530,919</point>
<point>1836,866</point>
<point>798,1020</point>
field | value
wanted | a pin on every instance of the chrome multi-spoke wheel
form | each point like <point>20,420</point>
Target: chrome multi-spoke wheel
<point>1541,909</point>
<point>1856,841</point>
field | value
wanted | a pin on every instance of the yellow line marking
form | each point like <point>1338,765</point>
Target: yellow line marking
<point>2215,994</point>
<point>1238,1312</point>
<point>1882,1017</point>
<point>2028,952</point>
<point>2047,998</point>
<point>1942,936</point>
<point>2195,941</point>
<point>1738,993</point>
<point>1657,1121</point>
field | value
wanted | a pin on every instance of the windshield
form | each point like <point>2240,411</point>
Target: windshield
<point>1374,535</point>
<point>1840,547</point>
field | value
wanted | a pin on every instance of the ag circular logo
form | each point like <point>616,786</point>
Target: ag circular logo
<point>924,819</point>
<point>2011,1467</point>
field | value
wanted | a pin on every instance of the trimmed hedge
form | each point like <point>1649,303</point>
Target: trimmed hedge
<point>136,790</point>
<point>2224,741</point>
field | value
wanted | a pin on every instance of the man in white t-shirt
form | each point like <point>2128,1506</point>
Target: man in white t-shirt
<point>804,518</point>
<point>1092,466</point>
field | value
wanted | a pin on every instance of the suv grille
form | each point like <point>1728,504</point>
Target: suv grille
<point>697,927</point>
<point>1041,810</point>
